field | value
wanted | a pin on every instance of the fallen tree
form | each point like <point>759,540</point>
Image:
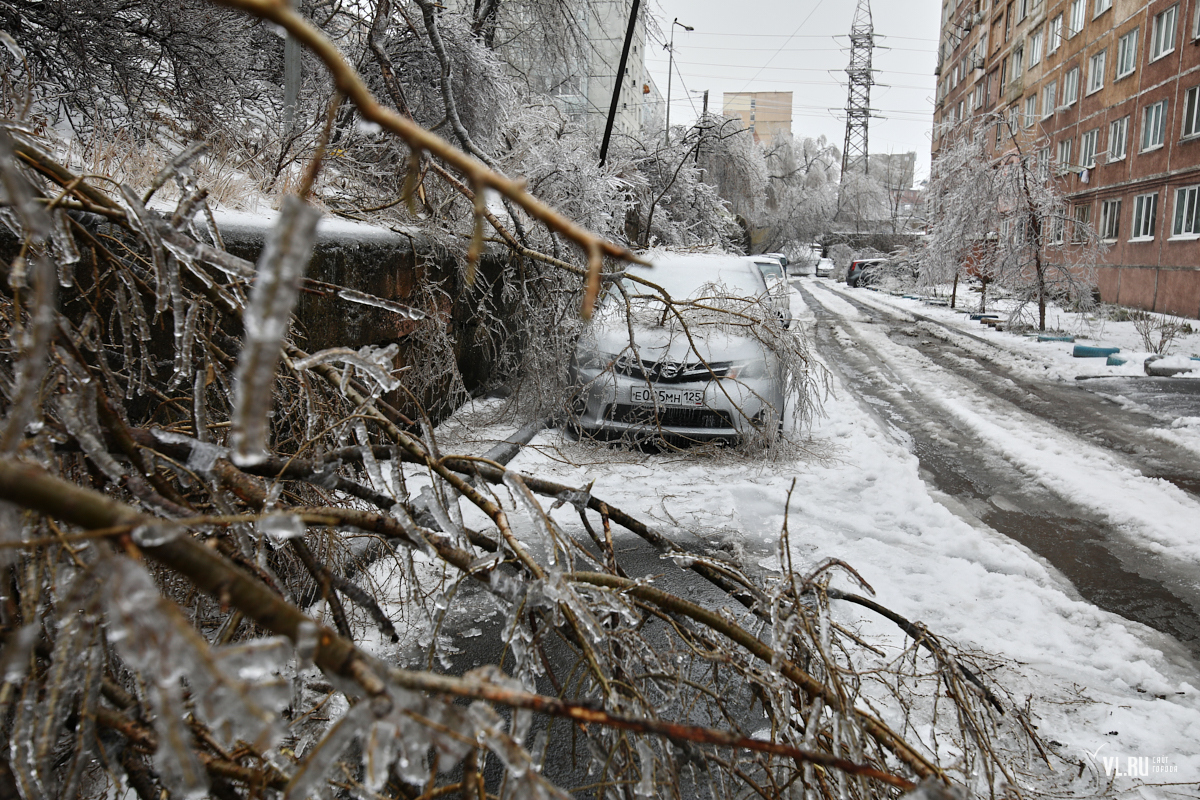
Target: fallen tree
<point>184,610</point>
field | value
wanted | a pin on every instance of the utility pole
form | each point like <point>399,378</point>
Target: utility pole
<point>703,127</point>
<point>291,81</point>
<point>671,71</point>
<point>619,81</point>
<point>858,100</point>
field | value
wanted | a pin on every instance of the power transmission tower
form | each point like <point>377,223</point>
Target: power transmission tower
<point>858,99</point>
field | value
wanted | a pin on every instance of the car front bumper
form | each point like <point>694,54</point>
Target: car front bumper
<point>615,406</point>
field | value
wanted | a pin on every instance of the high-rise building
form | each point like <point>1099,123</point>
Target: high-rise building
<point>766,114</point>
<point>1107,96</point>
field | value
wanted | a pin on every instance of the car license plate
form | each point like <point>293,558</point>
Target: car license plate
<point>667,397</point>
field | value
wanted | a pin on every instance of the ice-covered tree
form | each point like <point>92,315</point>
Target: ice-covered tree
<point>227,561</point>
<point>1002,219</point>
<point>801,195</point>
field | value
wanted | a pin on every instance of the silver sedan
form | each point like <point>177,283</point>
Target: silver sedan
<point>692,370</point>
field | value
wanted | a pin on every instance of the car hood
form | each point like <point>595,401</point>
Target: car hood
<point>670,343</point>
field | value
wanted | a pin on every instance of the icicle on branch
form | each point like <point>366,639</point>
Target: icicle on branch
<point>283,262</point>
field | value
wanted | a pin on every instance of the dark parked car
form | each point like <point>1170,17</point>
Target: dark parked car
<point>865,271</point>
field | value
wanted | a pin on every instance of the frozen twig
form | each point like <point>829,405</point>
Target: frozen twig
<point>420,140</point>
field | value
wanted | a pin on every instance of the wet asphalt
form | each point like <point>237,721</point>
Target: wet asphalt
<point>1105,567</point>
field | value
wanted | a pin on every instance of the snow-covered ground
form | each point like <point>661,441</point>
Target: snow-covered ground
<point>1113,694</point>
<point>1025,356</point>
<point>1047,358</point>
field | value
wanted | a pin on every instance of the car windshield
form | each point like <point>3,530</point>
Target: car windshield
<point>770,270</point>
<point>686,281</point>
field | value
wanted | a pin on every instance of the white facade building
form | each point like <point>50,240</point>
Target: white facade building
<point>577,65</point>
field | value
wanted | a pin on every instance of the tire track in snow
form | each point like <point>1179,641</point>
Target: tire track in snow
<point>1128,543</point>
<point>1165,515</point>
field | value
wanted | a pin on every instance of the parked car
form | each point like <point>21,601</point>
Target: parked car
<point>781,295</point>
<point>707,383</point>
<point>783,260</point>
<point>865,271</point>
<point>801,267</point>
<point>825,267</point>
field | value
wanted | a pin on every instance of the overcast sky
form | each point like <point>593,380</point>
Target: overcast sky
<point>801,46</point>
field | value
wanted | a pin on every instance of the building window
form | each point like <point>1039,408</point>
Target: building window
<point>1070,87</point>
<point>1058,229</point>
<point>1030,110</point>
<point>1048,98</point>
<point>1118,134</point>
<point>977,100</point>
<point>1022,9</point>
<point>1191,113</point>
<point>1127,53</point>
<point>1043,164</point>
<point>1087,148</point>
<point>1095,80</point>
<point>1018,58</point>
<point>1154,119</point>
<point>1054,39</point>
<point>1110,220</point>
<point>1162,40</point>
<point>1187,212</point>
<point>1075,24</point>
<point>1145,209</point>
<point>1013,114</point>
<point>1035,48</point>
<point>1102,6</point>
<point>1083,221</point>
<point>1064,155</point>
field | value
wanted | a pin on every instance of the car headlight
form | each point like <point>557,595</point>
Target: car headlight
<point>748,369</point>
<point>596,359</point>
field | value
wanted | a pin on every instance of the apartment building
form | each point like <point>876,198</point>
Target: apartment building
<point>766,114</point>
<point>1106,94</point>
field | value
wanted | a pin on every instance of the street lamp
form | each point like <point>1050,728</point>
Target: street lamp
<point>670,70</point>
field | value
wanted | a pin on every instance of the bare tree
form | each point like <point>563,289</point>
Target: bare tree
<point>1003,220</point>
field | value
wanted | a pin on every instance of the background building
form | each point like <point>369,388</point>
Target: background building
<point>894,170</point>
<point>1106,94</point>
<point>571,54</point>
<point>766,114</point>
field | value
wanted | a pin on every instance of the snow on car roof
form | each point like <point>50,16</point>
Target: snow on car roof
<point>682,275</point>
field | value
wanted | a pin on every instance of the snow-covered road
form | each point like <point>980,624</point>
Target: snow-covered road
<point>1021,461</point>
<point>1101,687</point>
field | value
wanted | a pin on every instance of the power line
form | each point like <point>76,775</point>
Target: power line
<point>838,49</point>
<point>798,82</point>
<point>806,36</point>
<point>790,69</point>
<point>794,33</point>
